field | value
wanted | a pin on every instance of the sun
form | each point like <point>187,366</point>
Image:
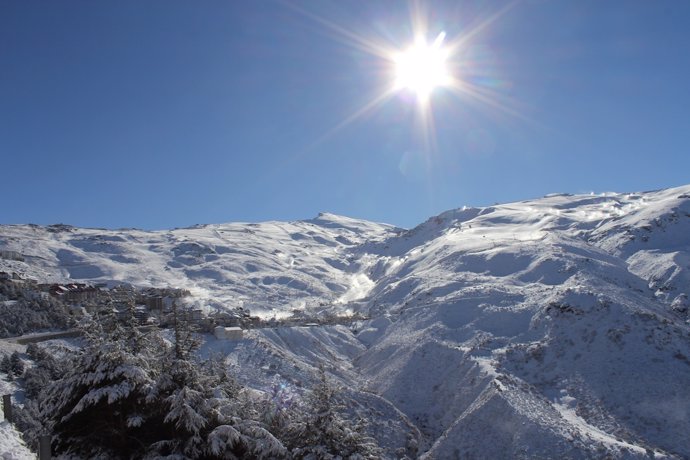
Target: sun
<point>419,69</point>
<point>422,67</point>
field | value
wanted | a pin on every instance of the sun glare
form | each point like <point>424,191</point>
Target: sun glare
<point>422,67</point>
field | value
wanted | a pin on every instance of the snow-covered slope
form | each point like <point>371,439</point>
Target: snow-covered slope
<point>270,267</point>
<point>12,447</point>
<point>547,323</point>
<point>549,328</point>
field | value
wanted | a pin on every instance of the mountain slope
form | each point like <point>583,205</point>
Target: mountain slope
<point>549,328</point>
<point>546,312</point>
<point>270,267</point>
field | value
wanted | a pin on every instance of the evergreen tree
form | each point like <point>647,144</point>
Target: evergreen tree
<point>134,395</point>
<point>99,407</point>
<point>323,432</point>
<point>205,411</point>
<point>28,420</point>
<point>16,365</point>
<point>278,409</point>
<point>35,352</point>
<point>31,311</point>
<point>45,370</point>
<point>5,365</point>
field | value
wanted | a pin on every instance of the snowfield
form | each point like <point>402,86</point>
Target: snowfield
<point>270,267</point>
<point>548,328</point>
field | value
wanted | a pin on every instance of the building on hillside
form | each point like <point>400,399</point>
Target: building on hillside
<point>228,333</point>
<point>137,313</point>
<point>155,303</point>
<point>228,319</point>
<point>73,292</point>
<point>141,313</point>
<point>122,294</point>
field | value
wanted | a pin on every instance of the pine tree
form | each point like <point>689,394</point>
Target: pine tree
<point>204,407</point>
<point>5,365</point>
<point>134,395</point>
<point>46,369</point>
<point>35,352</point>
<point>186,339</point>
<point>277,409</point>
<point>16,365</point>
<point>28,420</point>
<point>99,407</point>
<point>322,431</point>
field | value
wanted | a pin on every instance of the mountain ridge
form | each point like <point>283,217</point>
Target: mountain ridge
<point>549,327</point>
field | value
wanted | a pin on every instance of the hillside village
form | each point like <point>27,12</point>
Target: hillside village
<point>152,307</point>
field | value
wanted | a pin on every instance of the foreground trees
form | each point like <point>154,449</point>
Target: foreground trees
<point>134,395</point>
<point>322,431</point>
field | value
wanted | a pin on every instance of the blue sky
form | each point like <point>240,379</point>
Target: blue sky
<point>164,114</point>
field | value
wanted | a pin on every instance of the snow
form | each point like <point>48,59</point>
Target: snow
<point>11,445</point>
<point>555,327</point>
<point>593,433</point>
<point>360,286</point>
<point>268,266</point>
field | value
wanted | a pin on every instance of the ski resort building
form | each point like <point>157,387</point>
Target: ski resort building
<point>73,292</point>
<point>228,333</point>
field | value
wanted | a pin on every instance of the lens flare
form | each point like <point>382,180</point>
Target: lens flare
<point>415,70</point>
<point>422,67</point>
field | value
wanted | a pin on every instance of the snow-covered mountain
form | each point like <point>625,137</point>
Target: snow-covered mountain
<point>271,267</point>
<point>549,328</point>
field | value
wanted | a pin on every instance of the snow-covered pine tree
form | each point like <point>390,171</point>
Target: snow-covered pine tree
<point>322,431</point>
<point>134,395</point>
<point>5,364</point>
<point>45,370</point>
<point>99,407</point>
<point>178,396</point>
<point>204,409</point>
<point>16,365</point>
<point>241,434</point>
<point>277,409</point>
<point>30,311</point>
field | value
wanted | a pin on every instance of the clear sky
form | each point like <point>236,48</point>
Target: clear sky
<point>161,114</point>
